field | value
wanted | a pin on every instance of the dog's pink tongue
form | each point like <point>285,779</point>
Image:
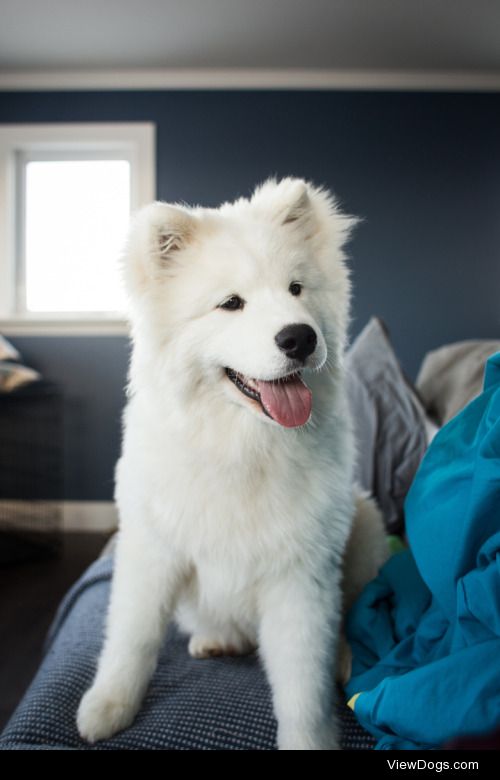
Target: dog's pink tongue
<point>288,401</point>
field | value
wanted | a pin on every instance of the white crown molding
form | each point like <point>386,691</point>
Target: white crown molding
<point>241,79</point>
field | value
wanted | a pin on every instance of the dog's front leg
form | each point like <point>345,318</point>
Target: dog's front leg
<point>143,593</point>
<point>298,634</point>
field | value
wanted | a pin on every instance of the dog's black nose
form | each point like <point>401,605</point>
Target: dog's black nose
<point>297,341</point>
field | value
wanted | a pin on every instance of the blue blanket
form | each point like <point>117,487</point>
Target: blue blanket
<point>426,633</point>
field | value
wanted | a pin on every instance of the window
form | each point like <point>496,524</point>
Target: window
<point>67,192</point>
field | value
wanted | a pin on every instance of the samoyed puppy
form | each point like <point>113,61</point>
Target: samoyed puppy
<point>234,487</point>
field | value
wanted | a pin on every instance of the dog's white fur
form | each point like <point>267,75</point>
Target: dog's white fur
<point>230,523</point>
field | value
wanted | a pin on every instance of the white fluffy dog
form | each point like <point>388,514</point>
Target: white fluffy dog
<point>234,487</point>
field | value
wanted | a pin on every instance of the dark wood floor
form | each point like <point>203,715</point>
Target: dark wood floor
<point>29,596</point>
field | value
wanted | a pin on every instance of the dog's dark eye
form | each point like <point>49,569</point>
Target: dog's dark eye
<point>233,303</point>
<point>295,288</point>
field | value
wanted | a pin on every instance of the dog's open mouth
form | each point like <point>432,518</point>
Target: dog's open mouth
<point>288,400</point>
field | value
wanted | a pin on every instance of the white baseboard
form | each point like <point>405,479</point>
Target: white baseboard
<point>82,516</point>
<point>92,516</point>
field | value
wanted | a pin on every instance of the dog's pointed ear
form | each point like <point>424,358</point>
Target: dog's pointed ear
<point>158,234</point>
<point>310,211</point>
<point>298,207</point>
<point>286,201</point>
<point>171,230</point>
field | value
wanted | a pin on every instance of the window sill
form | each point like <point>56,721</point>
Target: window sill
<point>64,326</point>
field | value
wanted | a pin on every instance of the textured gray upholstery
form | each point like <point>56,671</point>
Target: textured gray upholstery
<point>221,703</point>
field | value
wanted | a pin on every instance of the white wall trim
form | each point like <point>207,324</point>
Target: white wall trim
<point>135,140</point>
<point>91,516</point>
<point>82,516</point>
<point>249,78</point>
<point>62,327</point>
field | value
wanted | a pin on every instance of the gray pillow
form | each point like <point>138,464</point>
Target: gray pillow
<point>452,376</point>
<point>12,374</point>
<point>389,422</point>
<point>7,351</point>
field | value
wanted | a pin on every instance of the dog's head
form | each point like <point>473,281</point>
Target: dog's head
<point>241,302</point>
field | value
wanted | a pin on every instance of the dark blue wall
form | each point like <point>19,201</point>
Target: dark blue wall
<point>423,169</point>
<point>92,373</point>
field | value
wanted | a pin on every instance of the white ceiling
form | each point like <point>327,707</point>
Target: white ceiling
<point>409,35</point>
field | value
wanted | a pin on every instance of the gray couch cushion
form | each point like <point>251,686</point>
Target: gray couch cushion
<point>389,422</point>
<point>452,376</point>
<point>221,703</point>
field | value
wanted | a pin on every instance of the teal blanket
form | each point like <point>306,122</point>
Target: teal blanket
<point>426,633</point>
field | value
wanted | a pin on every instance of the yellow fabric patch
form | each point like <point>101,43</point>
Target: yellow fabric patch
<point>352,701</point>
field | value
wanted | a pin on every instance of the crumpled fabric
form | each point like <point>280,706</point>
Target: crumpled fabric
<point>425,633</point>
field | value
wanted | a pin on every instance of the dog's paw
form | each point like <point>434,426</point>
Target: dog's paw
<point>322,738</point>
<point>103,712</point>
<point>210,647</point>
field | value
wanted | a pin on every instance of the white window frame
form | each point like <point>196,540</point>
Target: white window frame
<point>132,141</point>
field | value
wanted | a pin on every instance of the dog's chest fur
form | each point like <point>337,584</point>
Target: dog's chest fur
<point>240,510</point>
